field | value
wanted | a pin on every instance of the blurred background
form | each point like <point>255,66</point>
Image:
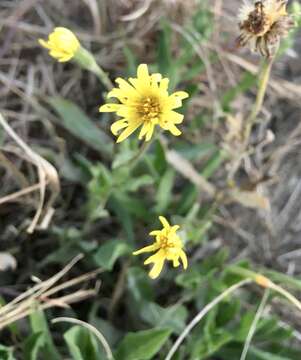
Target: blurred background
<point>62,193</point>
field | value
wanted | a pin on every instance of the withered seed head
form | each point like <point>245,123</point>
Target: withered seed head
<point>263,24</point>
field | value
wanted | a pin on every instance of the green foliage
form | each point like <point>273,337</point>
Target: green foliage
<point>79,125</point>
<point>107,254</point>
<point>110,201</point>
<point>82,345</point>
<point>142,345</point>
<point>6,353</point>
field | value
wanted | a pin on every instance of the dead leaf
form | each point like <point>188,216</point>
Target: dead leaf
<point>251,199</point>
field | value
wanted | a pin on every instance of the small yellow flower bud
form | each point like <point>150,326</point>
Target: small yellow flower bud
<point>62,44</point>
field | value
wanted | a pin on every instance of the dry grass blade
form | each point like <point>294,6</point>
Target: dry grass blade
<point>252,330</point>
<point>40,294</point>
<point>185,168</point>
<point>47,175</point>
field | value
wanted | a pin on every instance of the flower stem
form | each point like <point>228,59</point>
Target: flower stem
<point>86,60</point>
<point>262,87</point>
<point>102,76</point>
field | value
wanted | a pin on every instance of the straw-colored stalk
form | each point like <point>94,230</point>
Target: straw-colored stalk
<point>41,295</point>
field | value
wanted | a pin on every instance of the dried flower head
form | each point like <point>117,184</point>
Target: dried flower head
<point>168,246</point>
<point>263,24</point>
<point>62,44</point>
<point>145,102</point>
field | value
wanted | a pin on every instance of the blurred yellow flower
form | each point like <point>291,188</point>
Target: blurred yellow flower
<point>145,102</point>
<point>169,247</point>
<point>62,44</point>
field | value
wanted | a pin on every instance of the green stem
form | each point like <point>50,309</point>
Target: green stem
<point>132,162</point>
<point>262,87</point>
<point>246,273</point>
<point>86,60</point>
<point>103,77</point>
<point>142,151</point>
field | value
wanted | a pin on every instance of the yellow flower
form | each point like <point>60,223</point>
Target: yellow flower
<point>62,44</point>
<point>263,24</point>
<point>169,247</point>
<point>145,102</point>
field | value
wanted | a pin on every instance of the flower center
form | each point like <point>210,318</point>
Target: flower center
<point>149,109</point>
<point>258,23</point>
<point>164,242</point>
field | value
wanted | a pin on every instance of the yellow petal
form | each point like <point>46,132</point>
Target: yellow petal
<point>184,259</point>
<point>142,73</point>
<point>159,255</point>
<point>156,269</point>
<point>155,233</point>
<point>118,125</point>
<point>110,107</point>
<point>175,228</point>
<point>180,95</point>
<point>150,132</point>
<point>158,261</point>
<point>164,84</point>
<point>124,96</point>
<point>149,248</point>
<point>129,130</point>
<point>174,130</point>
<point>175,262</point>
<point>145,128</point>
<point>44,43</point>
<point>156,77</point>
<point>175,117</point>
<point>164,222</point>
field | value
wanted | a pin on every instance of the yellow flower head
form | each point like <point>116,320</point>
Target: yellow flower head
<point>62,44</point>
<point>145,102</point>
<point>168,246</point>
<point>263,24</point>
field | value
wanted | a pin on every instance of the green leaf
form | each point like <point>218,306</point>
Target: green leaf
<point>139,286</point>
<point>99,189</point>
<point>119,206</point>
<point>38,324</point>
<point>202,348</point>
<point>82,344</point>
<point>264,355</point>
<point>78,124</point>
<point>213,164</point>
<point>6,353</point>
<point>142,345</point>
<point>33,345</point>
<point>172,317</point>
<point>164,194</point>
<point>107,254</point>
